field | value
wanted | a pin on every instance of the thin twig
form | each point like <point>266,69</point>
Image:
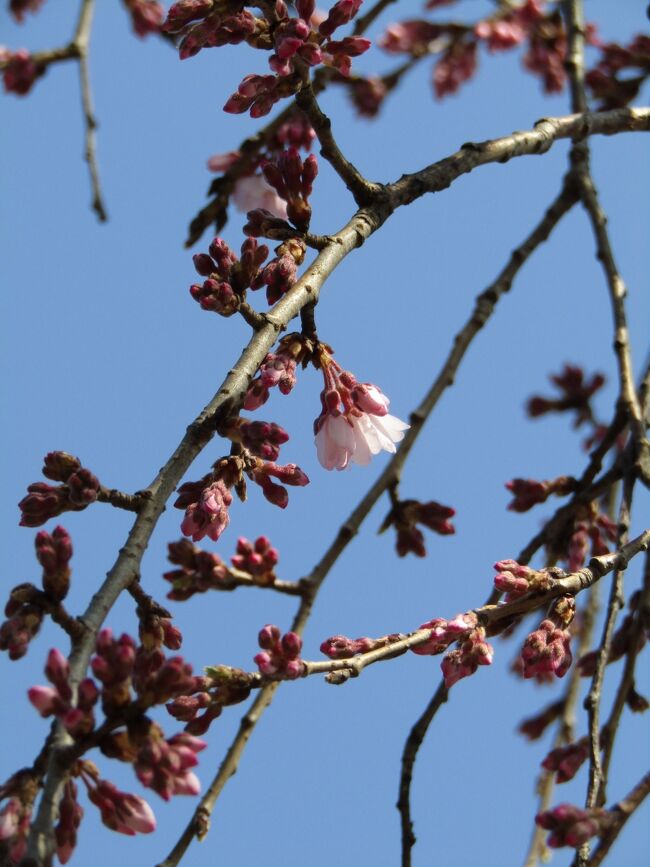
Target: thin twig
<point>364,191</point>
<point>610,728</point>
<point>363,22</point>
<point>82,41</point>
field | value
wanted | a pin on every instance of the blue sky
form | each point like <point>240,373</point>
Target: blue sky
<point>107,357</point>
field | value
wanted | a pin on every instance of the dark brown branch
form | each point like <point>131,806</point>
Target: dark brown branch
<point>364,191</point>
<point>129,502</point>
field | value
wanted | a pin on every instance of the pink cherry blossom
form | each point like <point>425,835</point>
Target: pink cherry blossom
<point>254,192</point>
<point>340,439</point>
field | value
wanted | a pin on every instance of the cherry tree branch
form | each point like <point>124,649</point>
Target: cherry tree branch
<point>232,391</point>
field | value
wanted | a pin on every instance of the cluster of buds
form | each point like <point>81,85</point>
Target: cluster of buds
<point>147,16</point>
<point>155,628</point>
<point>120,811</point>
<point>296,42</point>
<point>199,571</point>
<point>165,765</point>
<point>258,559</point>
<point>354,423</point>
<point>566,761</point>
<point>19,7</point>
<point>456,66</point>
<point>516,580</point>
<point>214,28</point>
<point>14,826</point>
<point>25,607</point>
<point>296,132</point>
<point>19,792</point>
<point>572,826</point>
<point>227,277</point>
<point>529,492</point>
<point>414,36</point>
<point>406,514</point>
<point>535,726</point>
<point>56,700</point>
<point>592,532</point>
<point>604,80</point>
<point>70,816</point>
<point>299,42</point>
<point>472,650</point>
<point>260,438</point>
<point>79,489</point>
<point>293,179</point>
<point>367,94</point>
<point>503,31</point>
<point>226,685</point>
<point>280,656</point>
<point>206,502</point>
<point>279,369</point>
<point>547,650</point>
<point>547,51</point>
<point>280,273</point>
<point>626,638</point>
<point>19,70</point>
<point>576,392</point>
<point>342,647</point>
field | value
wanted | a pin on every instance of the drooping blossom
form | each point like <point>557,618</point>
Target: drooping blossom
<point>254,192</point>
<point>354,424</point>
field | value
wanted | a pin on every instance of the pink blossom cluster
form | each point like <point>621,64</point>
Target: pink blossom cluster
<point>25,608</point>
<point>227,276</point>
<point>405,516</point>
<point>56,700</point>
<point>354,423</point>
<point>411,36</point>
<point>226,685</point>
<point>367,94</point>
<point>147,16</point>
<point>566,761</point>
<point>206,508</point>
<point>15,819</point>
<point>594,531</point>
<point>165,765</point>
<point>456,66</point>
<point>277,369</point>
<point>280,655</point>
<point>572,826</point>
<point>502,32</point>
<point>79,488</point>
<point>530,492</point>
<point>472,650</point>
<point>576,392</point>
<point>604,80</point>
<point>342,647</point>
<point>547,650</point>
<point>199,571</point>
<point>293,178</point>
<point>20,71</point>
<point>260,438</point>
<point>295,42</point>
<point>70,816</point>
<point>120,811</point>
<point>516,580</point>
<point>258,559</point>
